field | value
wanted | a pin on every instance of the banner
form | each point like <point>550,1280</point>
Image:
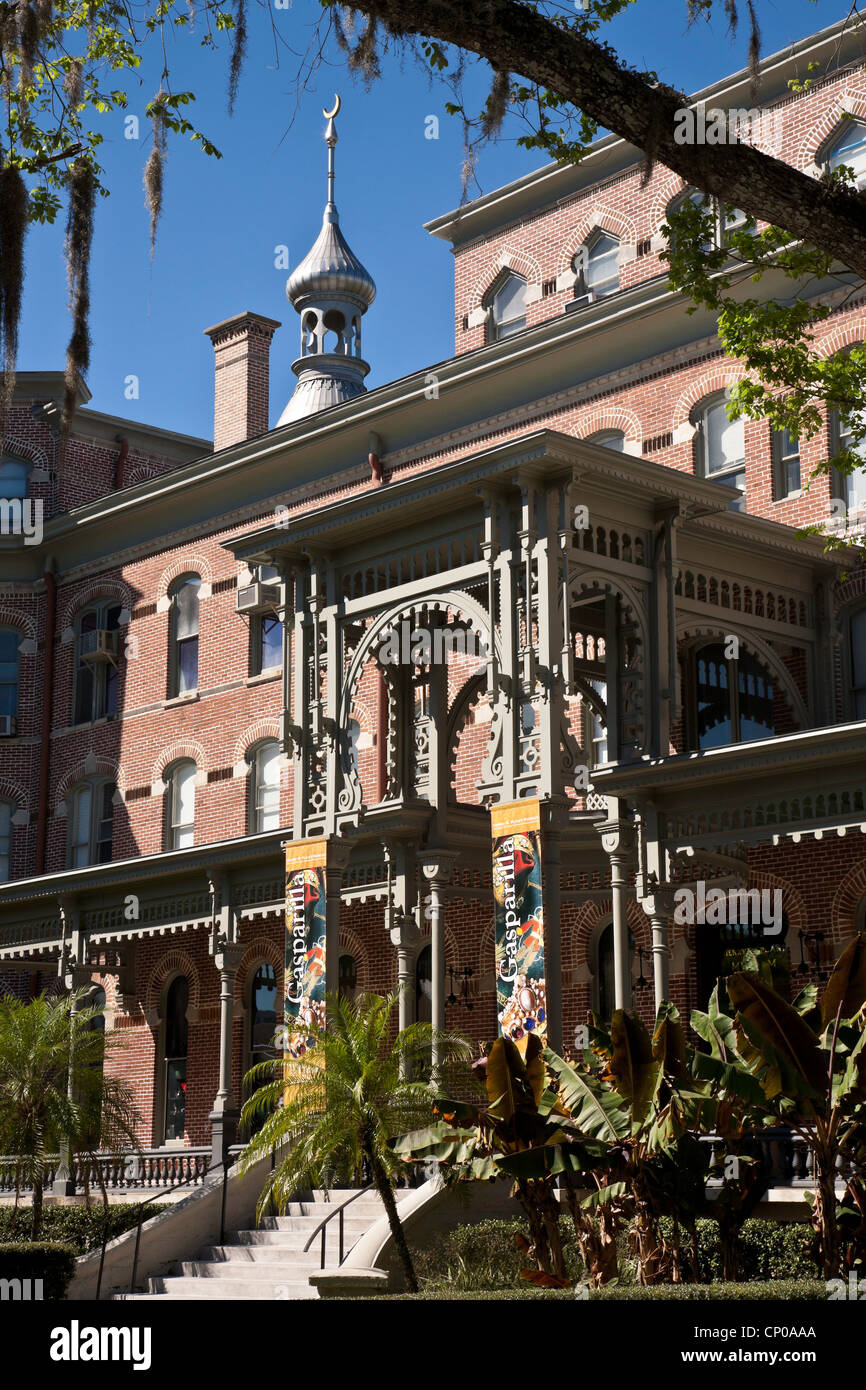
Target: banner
<point>521,997</point>
<point>305,942</point>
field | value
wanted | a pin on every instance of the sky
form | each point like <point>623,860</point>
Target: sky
<point>225,221</point>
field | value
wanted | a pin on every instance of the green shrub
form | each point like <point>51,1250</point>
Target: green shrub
<point>50,1261</point>
<point>79,1227</point>
<point>484,1256</point>
<point>787,1290</point>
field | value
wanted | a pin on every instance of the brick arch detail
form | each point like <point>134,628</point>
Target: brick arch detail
<point>591,916</point>
<point>851,590</point>
<point>15,792</point>
<point>604,218</point>
<point>260,948</point>
<point>92,593</point>
<point>848,334</point>
<point>849,103</point>
<point>21,622</point>
<point>192,563</point>
<point>610,417</point>
<point>666,190</point>
<point>183,748</point>
<point>26,452</point>
<point>792,899</point>
<point>352,945</point>
<point>714,379</point>
<point>517,261</point>
<point>691,632</point>
<point>174,962</point>
<point>255,733</point>
<point>847,899</point>
<point>105,767</point>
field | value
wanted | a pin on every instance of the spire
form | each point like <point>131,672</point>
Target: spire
<point>331,290</point>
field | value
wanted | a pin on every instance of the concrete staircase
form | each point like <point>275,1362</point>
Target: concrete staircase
<point>270,1263</point>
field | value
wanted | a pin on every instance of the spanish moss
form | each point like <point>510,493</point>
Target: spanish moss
<point>79,239</point>
<point>496,106</point>
<point>154,169</point>
<point>28,43</point>
<point>74,81</point>
<point>239,48</point>
<point>13,230</point>
<point>754,50</point>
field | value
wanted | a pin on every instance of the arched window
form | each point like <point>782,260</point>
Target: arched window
<point>609,439</point>
<point>7,811</point>
<point>180,805</point>
<point>96,662</point>
<point>506,307</point>
<point>851,487</point>
<point>14,478</point>
<point>176,1049</point>
<point>262,1014</point>
<point>91,823</point>
<point>266,629</point>
<point>786,464</point>
<point>848,148</point>
<point>597,266</point>
<point>424,986</point>
<point>720,950</point>
<point>595,736</point>
<point>732,698</point>
<point>183,656</point>
<point>725,220</point>
<point>97,1024</point>
<point>347,979</point>
<point>605,979</point>
<point>9,641</point>
<point>858,662</point>
<point>265,797</point>
<point>721,448</point>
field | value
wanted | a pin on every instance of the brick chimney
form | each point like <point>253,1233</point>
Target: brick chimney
<point>241,348</point>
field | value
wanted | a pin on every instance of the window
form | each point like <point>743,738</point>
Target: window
<point>266,630</point>
<point>597,266</point>
<point>786,464</point>
<point>605,977</point>
<point>725,220</point>
<point>183,657</point>
<point>266,770</point>
<point>721,448</point>
<point>596,727</point>
<point>176,1048</point>
<point>849,149</point>
<point>6,812</point>
<point>14,477</point>
<point>96,669</point>
<point>347,981</point>
<point>9,640</point>
<point>353,733</point>
<point>263,1014</point>
<point>507,308</point>
<point>91,824</point>
<point>181,805</point>
<point>851,487</point>
<point>733,698</point>
<point>609,439</point>
<point>424,986</point>
<point>858,663</point>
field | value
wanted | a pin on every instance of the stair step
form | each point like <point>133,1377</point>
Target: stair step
<point>267,1254</point>
<point>188,1286</point>
<point>295,1271</point>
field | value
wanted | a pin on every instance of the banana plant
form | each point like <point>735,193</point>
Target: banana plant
<point>810,1062</point>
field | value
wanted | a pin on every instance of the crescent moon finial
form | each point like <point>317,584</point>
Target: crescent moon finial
<point>336,111</point>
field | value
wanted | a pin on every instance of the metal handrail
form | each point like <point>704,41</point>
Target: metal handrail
<point>195,1180</point>
<point>322,1226</point>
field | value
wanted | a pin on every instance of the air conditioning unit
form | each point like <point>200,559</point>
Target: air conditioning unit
<point>98,646</point>
<point>8,725</point>
<point>258,597</point>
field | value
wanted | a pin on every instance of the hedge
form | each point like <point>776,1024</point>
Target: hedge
<point>484,1255</point>
<point>775,1290</point>
<point>80,1227</point>
<point>51,1261</point>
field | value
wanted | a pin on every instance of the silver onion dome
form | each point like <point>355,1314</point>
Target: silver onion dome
<point>330,268</point>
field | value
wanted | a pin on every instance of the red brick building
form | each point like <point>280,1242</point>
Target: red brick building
<point>197,646</point>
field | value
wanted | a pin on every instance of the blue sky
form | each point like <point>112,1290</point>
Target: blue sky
<point>224,218</point>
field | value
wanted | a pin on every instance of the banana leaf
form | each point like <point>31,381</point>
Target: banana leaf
<point>728,1078</point>
<point>716,1028</point>
<point>845,992</point>
<point>546,1160</point>
<point>668,1041</point>
<point>605,1195</point>
<point>783,1039</point>
<point>635,1072</point>
<point>806,1002</point>
<point>599,1110</point>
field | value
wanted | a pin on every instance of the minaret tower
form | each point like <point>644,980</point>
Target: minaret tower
<point>331,291</point>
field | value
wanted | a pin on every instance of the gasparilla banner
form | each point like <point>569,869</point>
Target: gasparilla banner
<point>521,997</point>
<point>306,861</point>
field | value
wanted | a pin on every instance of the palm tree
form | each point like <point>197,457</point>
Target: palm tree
<point>338,1105</point>
<point>52,1088</point>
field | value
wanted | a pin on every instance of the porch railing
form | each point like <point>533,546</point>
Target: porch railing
<point>130,1171</point>
<point>785,1158</point>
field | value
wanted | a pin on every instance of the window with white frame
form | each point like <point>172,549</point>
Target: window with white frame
<point>596,725</point>
<point>265,801</point>
<point>266,629</point>
<point>96,662</point>
<point>91,823</point>
<point>721,448</point>
<point>14,478</point>
<point>786,464</point>
<point>725,220</point>
<point>183,654</point>
<point>180,805</point>
<point>609,439</point>
<point>848,149</point>
<point>506,308</point>
<point>851,487</point>
<point>596,266</point>
<point>9,643</point>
